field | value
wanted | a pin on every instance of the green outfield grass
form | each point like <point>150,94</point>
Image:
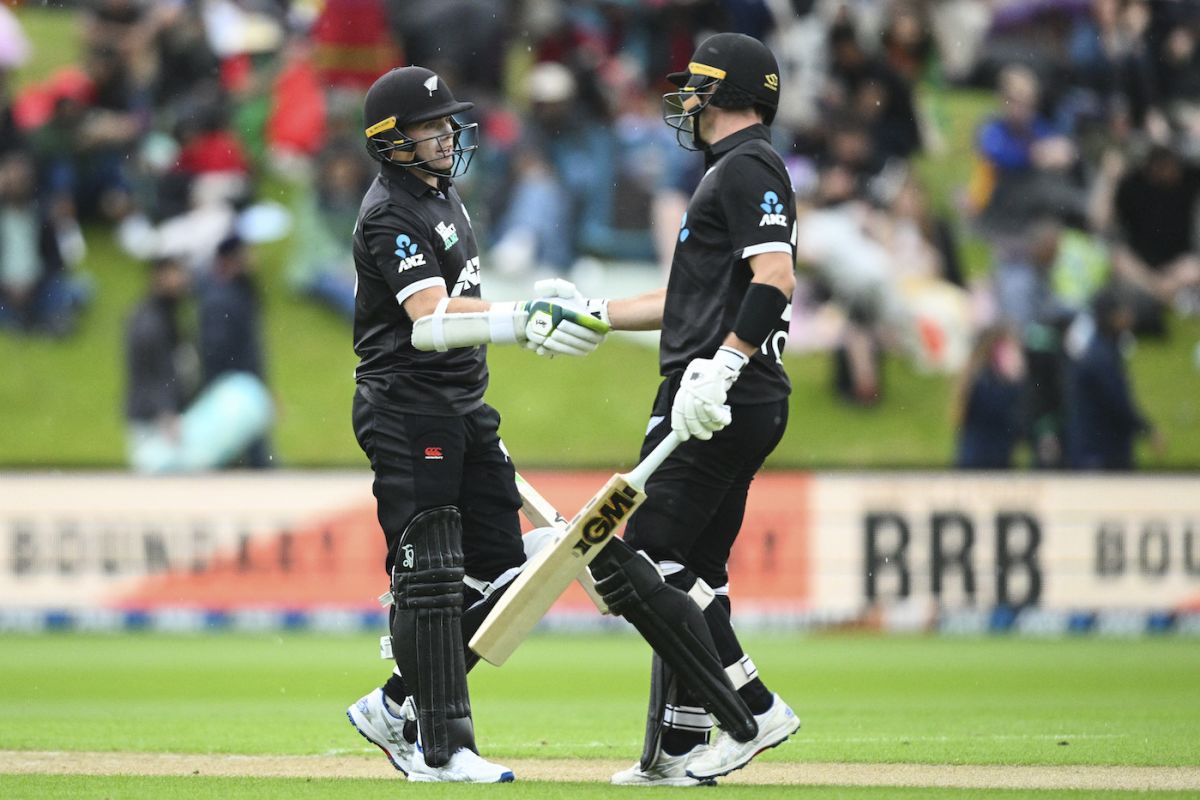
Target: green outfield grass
<point>991,701</point>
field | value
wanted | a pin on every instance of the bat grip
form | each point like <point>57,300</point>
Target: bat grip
<point>638,476</point>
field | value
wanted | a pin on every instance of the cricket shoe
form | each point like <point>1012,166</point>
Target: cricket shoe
<point>666,771</point>
<point>465,766</point>
<point>379,726</point>
<point>726,754</point>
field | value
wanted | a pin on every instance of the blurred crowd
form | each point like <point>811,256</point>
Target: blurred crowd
<point>197,129</point>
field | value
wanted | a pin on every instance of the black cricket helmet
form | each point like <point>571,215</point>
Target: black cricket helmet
<point>404,97</point>
<point>728,70</point>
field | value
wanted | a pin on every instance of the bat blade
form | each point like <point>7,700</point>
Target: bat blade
<point>551,571</point>
<point>541,514</point>
<point>547,575</point>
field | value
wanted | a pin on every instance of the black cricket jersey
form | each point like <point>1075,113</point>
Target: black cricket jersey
<point>410,236</point>
<point>743,206</point>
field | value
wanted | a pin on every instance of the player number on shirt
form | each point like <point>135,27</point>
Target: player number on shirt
<point>774,346</point>
<point>777,341</point>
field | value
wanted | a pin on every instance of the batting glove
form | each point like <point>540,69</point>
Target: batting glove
<point>561,287</point>
<point>569,337</point>
<point>561,327</point>
<point>699,407</point>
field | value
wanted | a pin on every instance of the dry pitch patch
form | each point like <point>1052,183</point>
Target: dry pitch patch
<point>767,773</point>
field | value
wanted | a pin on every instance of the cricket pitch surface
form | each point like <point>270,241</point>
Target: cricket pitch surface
<point>46,762</point>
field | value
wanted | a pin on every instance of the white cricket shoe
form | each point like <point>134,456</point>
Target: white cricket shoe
<point>379,726</point>
<point>465,766</point>
<point>667,770</point>
<point>726,754</point>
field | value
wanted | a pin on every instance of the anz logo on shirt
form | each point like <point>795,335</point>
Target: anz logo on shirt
<point>406,248</point>
<point>772,210</point>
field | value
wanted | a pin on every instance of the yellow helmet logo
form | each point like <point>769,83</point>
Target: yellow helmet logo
<point>772,82</point>
<point>696,68</point>
<point>381,126</point>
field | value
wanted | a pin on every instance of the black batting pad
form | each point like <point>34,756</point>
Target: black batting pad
<point>427,583</point>
<point>674,626</point>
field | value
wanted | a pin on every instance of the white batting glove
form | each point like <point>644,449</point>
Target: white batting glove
<point>561,287</point>
<point>539,538</point>
<point>562,327</point>
<point>699,407</point>
<point>557,287</point>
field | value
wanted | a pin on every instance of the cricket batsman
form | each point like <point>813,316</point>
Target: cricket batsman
<point>445,488</point>
<point>724,318</point>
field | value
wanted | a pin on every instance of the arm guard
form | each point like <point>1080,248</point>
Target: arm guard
<point>761,310</point>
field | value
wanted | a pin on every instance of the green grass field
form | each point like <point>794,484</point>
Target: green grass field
<point>864,700</point>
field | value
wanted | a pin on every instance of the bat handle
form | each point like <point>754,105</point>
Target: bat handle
<point>638,476</point>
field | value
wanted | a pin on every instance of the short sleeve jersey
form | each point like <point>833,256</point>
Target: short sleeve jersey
<point>411,236</point>
<point>743,206</point>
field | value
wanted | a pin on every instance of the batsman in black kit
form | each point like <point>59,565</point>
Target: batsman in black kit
<point>445,488</point>
<point>724,318</point>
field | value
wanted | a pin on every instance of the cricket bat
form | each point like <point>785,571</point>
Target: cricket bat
<point>547,575</point>
<point>541,514</point>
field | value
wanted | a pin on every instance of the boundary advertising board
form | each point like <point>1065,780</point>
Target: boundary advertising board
<point>813,545</point>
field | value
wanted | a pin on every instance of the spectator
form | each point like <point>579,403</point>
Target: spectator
<point>908,41</point>
<point>211,159</point>
<point>1022,166</point>
<point>987,405</point>
<point>1082,266</point>
<point>37,291</point>
<point>352,43</point>
<point>538,226</point>
<point>1179,65</point>
<point>799,42</point>
<point>462,40</point>
<point>230,329</point>
<point>10,137</point>
<point>1067,267</point>
<point>874,91</point>
<point>1028,301</point>
<point>322,264</point>
<point>84,147</point>
<point>1103,419</point>
<point>156,388</point>
<point>185,63</point>
<point>654,177</point>
<point>959,28</point>
<point>166,432</point>
<point>922,242</point>
<point>835,239</point>
<point>1155,216</point>
<point>565,199</point>
<point>1110,65</point>
<point>1024,293</point>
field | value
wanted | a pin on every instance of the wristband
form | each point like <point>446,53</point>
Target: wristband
<point>500,323</point>
<point>599,310</point>
<point>731,358</point>
<point>762,308</point>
